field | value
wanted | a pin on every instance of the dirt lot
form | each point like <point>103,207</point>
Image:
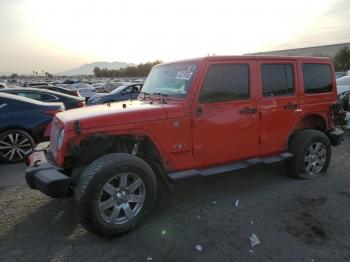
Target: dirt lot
<point>295,220</point>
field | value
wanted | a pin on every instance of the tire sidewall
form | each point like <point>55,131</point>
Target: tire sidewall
<point>88,204</point>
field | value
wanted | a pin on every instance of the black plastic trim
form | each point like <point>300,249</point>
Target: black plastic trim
<point>174,176</point>
<point>48,180</point>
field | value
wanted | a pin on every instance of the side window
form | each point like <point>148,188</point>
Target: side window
<point>317,78</point>
<point>127,90</point>
<point>277,79</point>
<point>35,96</point>
<point>136,89</point>
<point>225,83</point>
<point>48,98</point>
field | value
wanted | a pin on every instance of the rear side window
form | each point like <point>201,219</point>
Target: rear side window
<point>48,98</point>
<point>35,96</point>
<point>317,78</point>
<point>225,83</point>
<point>277,79</point>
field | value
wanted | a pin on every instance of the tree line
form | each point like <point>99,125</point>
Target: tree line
<point>342,59</point>
<point>341,63</point>
<point>140,70</point>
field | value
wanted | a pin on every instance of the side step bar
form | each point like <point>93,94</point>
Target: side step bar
<point>227,168</point>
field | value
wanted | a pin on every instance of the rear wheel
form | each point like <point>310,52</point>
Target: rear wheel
<point>311,151</point>
<point>114,194</point>
<point>14,144</point>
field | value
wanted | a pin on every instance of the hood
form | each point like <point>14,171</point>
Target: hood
<point>114,114</point>
<point>342,89</point>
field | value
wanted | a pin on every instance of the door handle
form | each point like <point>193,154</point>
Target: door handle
<point>248,110</point>
<point>199,111</point>
<point>291,106</point>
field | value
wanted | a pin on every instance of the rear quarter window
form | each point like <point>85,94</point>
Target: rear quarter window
<point>48,98</point>
<point>35,96</point>
<point>317,78</point>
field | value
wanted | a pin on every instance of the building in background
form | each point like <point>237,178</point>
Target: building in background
<point>321,51</point>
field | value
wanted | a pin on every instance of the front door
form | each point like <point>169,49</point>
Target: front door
<point>225,117</point>
<point>279,103</point>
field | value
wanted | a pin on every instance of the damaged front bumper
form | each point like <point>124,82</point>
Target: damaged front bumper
<point>43,175</point>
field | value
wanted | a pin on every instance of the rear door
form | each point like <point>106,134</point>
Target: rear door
<point>279,102</point>
<point>225,122</point>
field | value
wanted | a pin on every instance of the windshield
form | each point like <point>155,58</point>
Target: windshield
<point>119,89</point>
<point>172,79</point>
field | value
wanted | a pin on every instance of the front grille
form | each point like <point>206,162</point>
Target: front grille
<point>50,158</point>
<point>55,132</point>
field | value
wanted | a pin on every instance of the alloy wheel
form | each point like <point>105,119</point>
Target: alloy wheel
<point>121,198</point>
<point>14,145</point>
<point>315,158</point>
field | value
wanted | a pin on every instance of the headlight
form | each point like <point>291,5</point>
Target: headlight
<point>60,139</point>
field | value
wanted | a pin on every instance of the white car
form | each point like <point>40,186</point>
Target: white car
<point>343,84</point>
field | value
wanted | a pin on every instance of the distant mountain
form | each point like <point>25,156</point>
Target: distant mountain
<point>87,69</point>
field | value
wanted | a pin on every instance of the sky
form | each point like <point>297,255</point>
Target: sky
<point>57,35</point>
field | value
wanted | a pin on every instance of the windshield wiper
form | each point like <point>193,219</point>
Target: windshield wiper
<point>161,96</point>
<point>149,95</point>
<point>144,94</point>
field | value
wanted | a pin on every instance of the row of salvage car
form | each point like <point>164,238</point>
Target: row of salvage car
<point>26,112</point>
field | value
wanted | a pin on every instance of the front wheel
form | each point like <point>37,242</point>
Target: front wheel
<point>311,151</point>
<point>114,194</point>
<point>14,144</point>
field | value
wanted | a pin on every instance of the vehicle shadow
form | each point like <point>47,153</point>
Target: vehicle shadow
<point>51,231</point>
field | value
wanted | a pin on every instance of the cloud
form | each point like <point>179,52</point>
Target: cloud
<point>56,35</point>
<point>332,26</point>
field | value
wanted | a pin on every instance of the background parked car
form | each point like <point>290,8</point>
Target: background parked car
<point>23,123</point>
<point>60,90</point>
<point>340,74</point>
<point>110,86</point>
<point>343,85</point>
<point>85,90</point>
<point>30,84</point>
<point>46,95</point>
<point>3,85</point>
<point>98,86</point>
<point>125,92</point>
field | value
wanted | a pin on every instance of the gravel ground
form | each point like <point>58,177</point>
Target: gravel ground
<point>295,220</point>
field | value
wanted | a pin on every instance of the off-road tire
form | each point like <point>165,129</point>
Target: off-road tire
<point>94,177</point>
<point>298,146</point>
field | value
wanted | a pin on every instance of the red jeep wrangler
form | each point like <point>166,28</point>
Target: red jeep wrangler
<point>196,117</point>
